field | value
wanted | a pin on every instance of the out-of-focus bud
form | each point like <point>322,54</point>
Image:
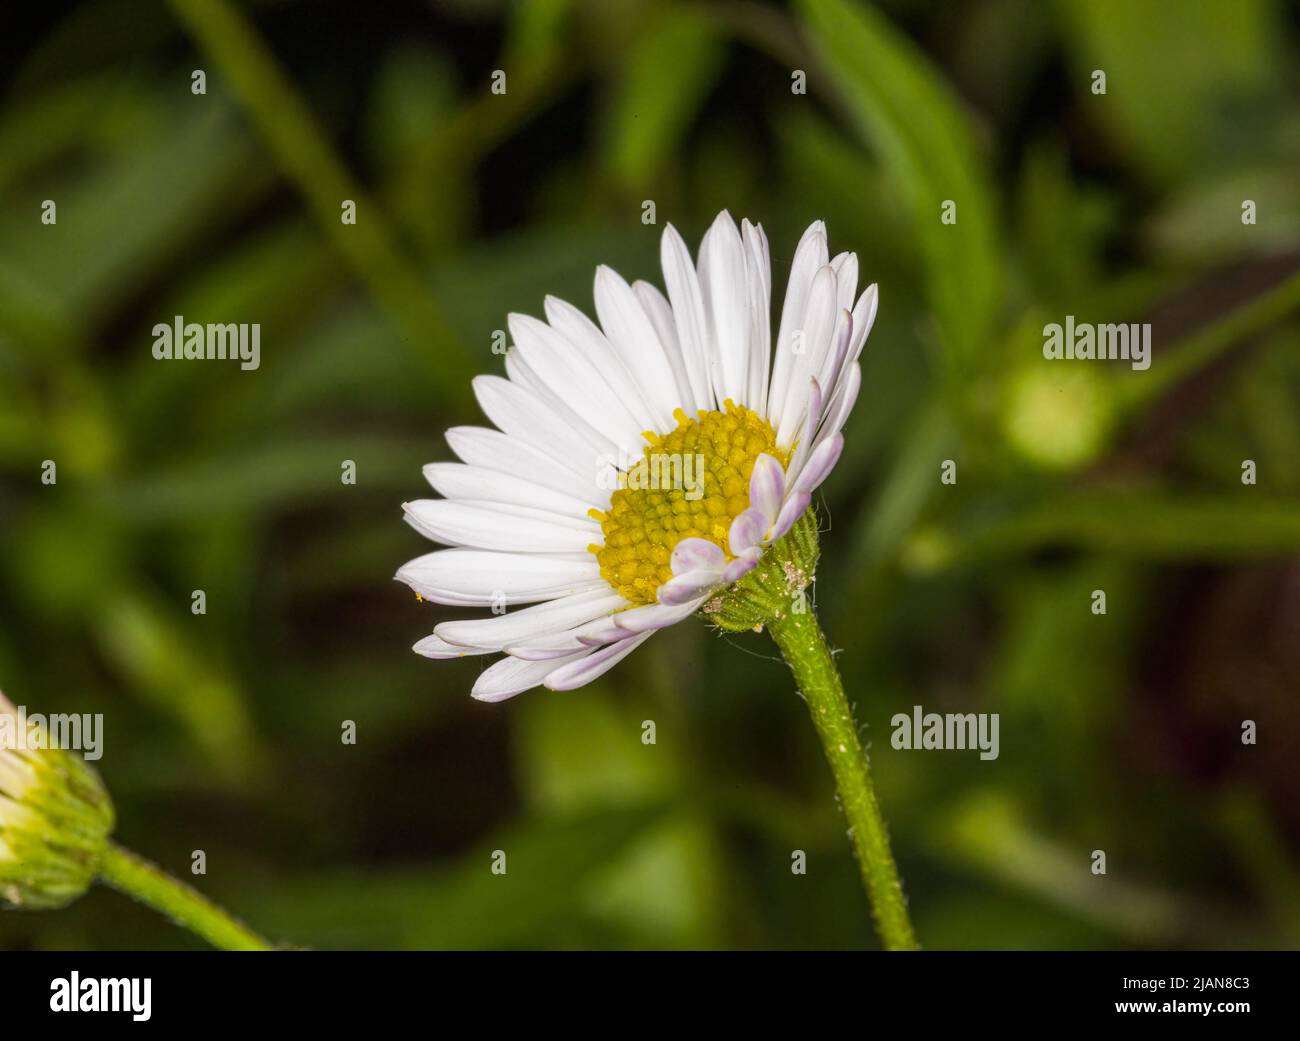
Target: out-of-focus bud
<point>55,819</point>
<point>1059,418</point>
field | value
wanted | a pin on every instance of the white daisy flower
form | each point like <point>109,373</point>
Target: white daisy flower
<point>641,469</point>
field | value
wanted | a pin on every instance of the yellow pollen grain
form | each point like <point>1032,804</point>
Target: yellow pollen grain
<point>646,519</point>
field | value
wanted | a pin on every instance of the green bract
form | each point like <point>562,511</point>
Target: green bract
<point>775,588</point>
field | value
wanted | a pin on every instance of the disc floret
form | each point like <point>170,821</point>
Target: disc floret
<point>690,483</point>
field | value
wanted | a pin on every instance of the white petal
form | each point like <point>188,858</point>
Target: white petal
<point>649,617</point>
<point>587,337</point>
<point>692,320</point>
<point>766,487</point>
<point>748,530</point>
<point>435,646</point>
<point>522,376</point>
<point>688,586</point>
<point>817,327</point>
<point>601,632</point>
<point>582,671</point>
<point>520,414</point>
<point>511,676</point>
<point>459,481</point>
<point>864,317</point>
<point>475,577</point>
<point>660,313</point>
<point>812,418</point>
<point>595,633</point>
<point>459,522</point>
<point>589,382</point>
<point>845,266</point>
<point>809,258</point>
<point>563,613</point>
<point>744,563</point>
<point>759,268</point>
<point>726,300</point>
<point>792,510</point>
<point>694,554</point>
<point>819,465</point>
<point>836,358</point>
<point>631,332</point>
<point>481,446</point>
<point>838,412</point>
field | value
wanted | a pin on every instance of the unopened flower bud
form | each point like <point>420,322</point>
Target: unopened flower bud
<point>55,819</point>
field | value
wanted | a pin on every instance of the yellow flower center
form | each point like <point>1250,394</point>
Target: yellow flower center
<point>691,483</point>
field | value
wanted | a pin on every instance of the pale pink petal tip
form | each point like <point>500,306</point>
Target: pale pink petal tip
<point>434,646</point>
<point>766,488</point>
<point>696,554</point>
<point>690,585</point>
<point>741,566</point>
<point>820,464</point>
<point>655,616</point>
<point>747,530</point>
<point>584,670</point>
<point>510,676</point>
<point>790,512</point>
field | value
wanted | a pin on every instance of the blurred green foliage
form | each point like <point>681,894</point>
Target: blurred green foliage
<point>1119,732</point>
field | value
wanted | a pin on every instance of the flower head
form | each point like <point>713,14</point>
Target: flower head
<point>647,467</point>
<point>55,820</point>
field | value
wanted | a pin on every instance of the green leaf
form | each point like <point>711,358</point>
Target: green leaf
<point>125,220</point>
<point>578,753</point>
<point>269,478</point>
<point>550,867</point>
<point>902,107</point>
<point>1245,524</point>
<point>1190,86</point>
<point>166,664</point>
<point>1202,221</point>
<point>988,834</point>
<point>657,89</point>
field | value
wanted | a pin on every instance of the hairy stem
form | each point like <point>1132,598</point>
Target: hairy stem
<point>149,884</point>
<point>803,646</point>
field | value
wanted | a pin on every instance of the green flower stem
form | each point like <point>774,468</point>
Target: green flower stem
<point>188,908</point>
<point>803,645</point>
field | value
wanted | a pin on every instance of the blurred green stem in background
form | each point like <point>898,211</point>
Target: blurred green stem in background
<point>803,646</point>
<point>307,159</point>
<point>188,908</point>
<point>1194,352</point>
<point>1223,527</point>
